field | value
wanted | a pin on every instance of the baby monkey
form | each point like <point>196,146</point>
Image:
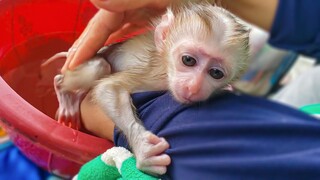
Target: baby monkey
<point>195,50</point>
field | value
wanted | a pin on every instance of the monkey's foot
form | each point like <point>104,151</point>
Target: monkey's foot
<point>149,152</point>
<point>68,112</point>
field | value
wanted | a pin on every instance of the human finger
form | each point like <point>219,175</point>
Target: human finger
<point>125,32</point>
<point>93,38</point>
<point>124,5</point>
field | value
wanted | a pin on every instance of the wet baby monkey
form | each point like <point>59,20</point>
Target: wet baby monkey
<point>195,50</point>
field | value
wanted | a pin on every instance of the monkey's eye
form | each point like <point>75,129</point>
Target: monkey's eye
<point>188,60</point>
<point>216,73</point>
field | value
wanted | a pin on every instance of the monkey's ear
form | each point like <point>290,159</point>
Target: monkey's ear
<point>161,29</point>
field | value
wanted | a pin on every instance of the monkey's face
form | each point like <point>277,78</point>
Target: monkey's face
<point>195,72</point>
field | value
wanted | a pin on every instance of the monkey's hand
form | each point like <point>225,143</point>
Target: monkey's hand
<point>149,151</point>
<point>68,112</point>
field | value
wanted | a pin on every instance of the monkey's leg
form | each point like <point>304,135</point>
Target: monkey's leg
<point>114,98</point>
<point>72,87</point>
<point>69,104</point>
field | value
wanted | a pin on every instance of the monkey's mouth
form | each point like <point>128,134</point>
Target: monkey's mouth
<point>187,101</point>
<point>182,99</point>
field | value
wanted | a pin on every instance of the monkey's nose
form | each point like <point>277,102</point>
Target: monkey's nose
<point>194,85</point>
<point>193,89</point>
<point>189,93</point>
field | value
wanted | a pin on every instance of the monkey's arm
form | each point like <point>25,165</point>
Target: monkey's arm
<point>112,94</point>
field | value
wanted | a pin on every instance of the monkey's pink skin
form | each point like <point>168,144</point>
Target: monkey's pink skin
<point>34,31</point>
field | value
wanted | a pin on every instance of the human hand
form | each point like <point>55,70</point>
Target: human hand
<point>114,20</point>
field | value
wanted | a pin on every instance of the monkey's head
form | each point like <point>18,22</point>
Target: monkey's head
<point>206,48</point>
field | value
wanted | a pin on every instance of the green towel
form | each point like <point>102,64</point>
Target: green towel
<point>312,109</point>
<point>115,164</point>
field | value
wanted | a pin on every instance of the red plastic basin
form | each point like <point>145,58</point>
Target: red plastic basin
<point>31,32</point>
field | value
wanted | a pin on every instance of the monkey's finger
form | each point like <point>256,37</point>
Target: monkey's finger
<point>154,170</point>
<point>161,160</point>
<point>61,117</point>
<point>65,117</point>
<point>68,121</point>
<point>157,149</point>
<point>93,38</point>
<point>124,5</point>
<point>76,122</point>
<point>153,139</point>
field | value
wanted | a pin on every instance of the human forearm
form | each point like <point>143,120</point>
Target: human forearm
<point>95,121</point>
<point>259,13</point>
